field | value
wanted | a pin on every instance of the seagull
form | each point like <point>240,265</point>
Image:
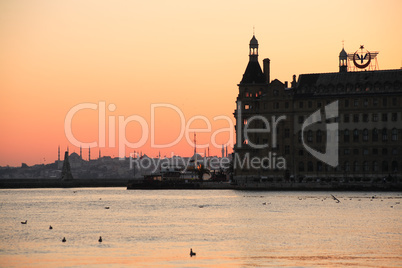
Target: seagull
<point>100,239</point>
<point>50,227</point>
<point>64,240</point>
<point>192,253</point>
<point>24,222</point>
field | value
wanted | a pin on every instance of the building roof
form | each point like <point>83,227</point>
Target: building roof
<point>253,74</point>
<point>253,41</point>
<point>343,54</point>
<point>324,79</point>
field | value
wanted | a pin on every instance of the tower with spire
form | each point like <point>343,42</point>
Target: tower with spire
<point>343,60</point>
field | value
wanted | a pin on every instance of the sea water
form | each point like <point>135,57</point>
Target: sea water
<point>226,228</point>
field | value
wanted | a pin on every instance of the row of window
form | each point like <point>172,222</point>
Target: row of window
<point>355,118</point>
<point>354,136</point>
<point>354,166</point>
<point>355,151</point>
<point>352,88</point>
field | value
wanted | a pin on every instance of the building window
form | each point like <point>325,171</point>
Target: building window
<point>394,117</point>
<point>355,166</point>
<point>319,136</point>
<point>301,119</point>
<point>346,166</point>
<point>319,104</point>
<point>384,151</point>
<point>375,102</point>
<point>287,133</point>
<point>394,151</point>
<point>286,105</point>
<point>375,135</point>
<point>394,133</point>
<point>384,135</point>
<point>310,104</point>
<point>356,118</point>
<point>355,102</point>
<point>365,103</point>
<point>365,166</point>
<point>301,166</point>
<point>384,166</point>
<point>301,152</point>
<point>365,135</point>
<point>394,101</point>
<point>346,118</point>
<point>346,151</point>
<point>365,118</point>
<point>310,166</point>
<point>300,104</point>
<point>246,107</point>
<point>375,166</point>
<point>276,105</point>
<point>375,117</point>
<point>319,166</point>
<point>375,151</point>
<point>309,136</point>
<point>346,103</point>
<point>276,92</point>
<point>355,135</point>
<point>346,135</point>
<point>394,166</point>
<point>385,117</point>
<point>365,151</point>
<point>287,149</point>
<point>384,102</point>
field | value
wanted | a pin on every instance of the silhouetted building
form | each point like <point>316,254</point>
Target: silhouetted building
<point>367,141</point>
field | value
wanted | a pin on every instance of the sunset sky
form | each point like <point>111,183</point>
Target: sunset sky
<point>55,55</point>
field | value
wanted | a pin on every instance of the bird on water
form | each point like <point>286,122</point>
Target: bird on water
<point>64,240</point>
<point>192,253</point>
<point>50,227</point>
<point>24,222</point>
<point>100,239</point>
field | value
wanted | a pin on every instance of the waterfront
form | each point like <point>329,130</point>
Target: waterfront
<point>226,228</point>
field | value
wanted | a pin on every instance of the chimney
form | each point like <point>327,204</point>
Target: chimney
<point>286,84</point>
<point>266,70</point>
<point>294,81</point>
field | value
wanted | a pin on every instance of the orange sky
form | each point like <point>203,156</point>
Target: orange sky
<point>55,55</point>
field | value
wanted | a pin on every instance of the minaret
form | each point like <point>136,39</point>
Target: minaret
<point>89,153</point>
<point>58,154</point>
<point>223,151</point>
<point>195,144</point>
<point>81,152</point>
<point>343,60</point>
<point>99,154</point>
<point>226,151</point>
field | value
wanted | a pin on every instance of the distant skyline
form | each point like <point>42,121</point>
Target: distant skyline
<point>131,55</point>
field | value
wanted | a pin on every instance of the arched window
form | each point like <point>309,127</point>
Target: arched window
<point>355,166</point>
<point>365,135</point>
<point>355,135</point>
<point>346,135</point>
<point>375,166</point>
<point>319,136</point>
<point>394,134</point>
<point>310,166</point>
<point>375,135</point>
<point>384,166</point>
<point>384,134</point>
<point>301,166</point>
